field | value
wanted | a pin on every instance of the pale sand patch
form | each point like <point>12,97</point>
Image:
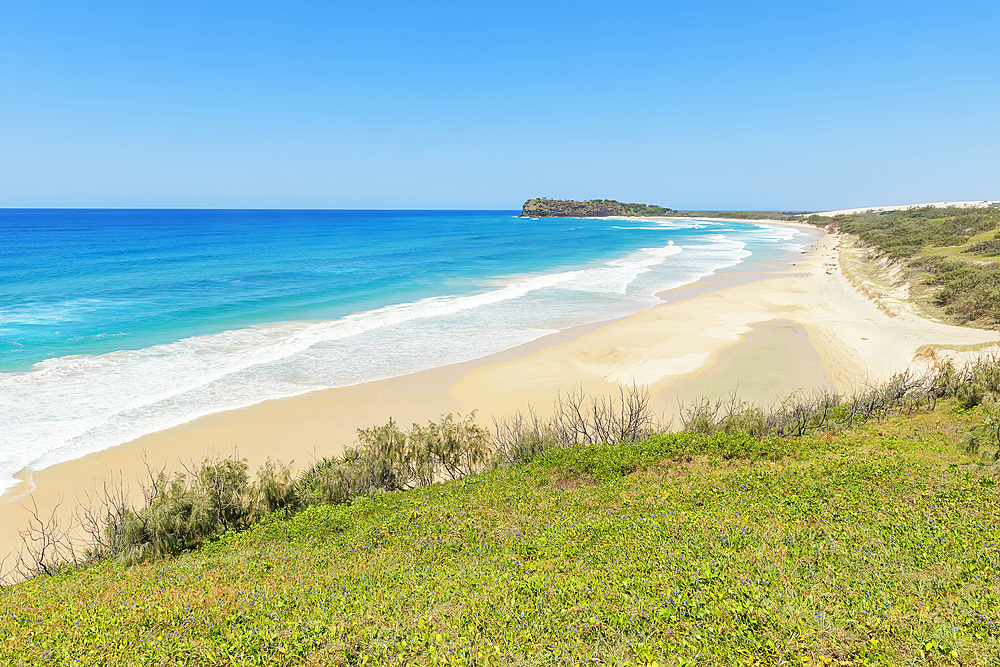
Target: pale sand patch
<point>907,207</point>
<point>656,370</point>
<point>668,347</point>
<point>774,361</point>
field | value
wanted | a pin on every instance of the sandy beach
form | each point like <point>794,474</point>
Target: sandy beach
<point>796,325</point>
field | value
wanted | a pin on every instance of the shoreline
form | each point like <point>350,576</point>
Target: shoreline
<point>801,320</point>
<point>700,283</point>
<point>64,429</point>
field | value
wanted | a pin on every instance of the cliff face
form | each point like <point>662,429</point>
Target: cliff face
<point>594,208</point>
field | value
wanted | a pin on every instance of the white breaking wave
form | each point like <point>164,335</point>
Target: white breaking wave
<point>68,407</point>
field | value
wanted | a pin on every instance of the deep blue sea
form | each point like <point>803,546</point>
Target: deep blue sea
<point>118,323</point>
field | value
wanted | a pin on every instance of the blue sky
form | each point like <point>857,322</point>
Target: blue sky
<point>766,105</point>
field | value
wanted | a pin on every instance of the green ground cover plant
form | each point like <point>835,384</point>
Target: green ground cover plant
<point>877,546</point>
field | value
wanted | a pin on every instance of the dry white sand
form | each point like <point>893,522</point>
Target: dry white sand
<point>907,207</point>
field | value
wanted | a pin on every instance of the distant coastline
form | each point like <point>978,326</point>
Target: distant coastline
<point>543,207</point>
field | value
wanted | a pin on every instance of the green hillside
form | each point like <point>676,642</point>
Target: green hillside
<point>874,546</point>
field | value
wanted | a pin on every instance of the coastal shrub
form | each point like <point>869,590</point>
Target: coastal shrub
<point>177,515</point>
<point>183,510</point>
<point>607,419</point>
<point>521,437</point>
<point>393,460</point>
<point>987,248</point>
<point>226,484</point>
<point>47,551</point>
<point>970,394</point>
<point>577,419</point>
<point>800,414</point>
<point>329,480</point>
<point>276,488</point>
<point>727,416</point>
<point>984,440</point>
<point>970,383</point>
<point>967,290</point>
<point>795,416</point>
<point>456,446</point>
<point>178,512</point>
<point>390,459</point>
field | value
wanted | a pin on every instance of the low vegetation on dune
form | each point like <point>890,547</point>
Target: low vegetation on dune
<point>987,248</point>
<point>953,253</point>
<point>833,530</point>
<point>788,216</point>
<point>910,233</point>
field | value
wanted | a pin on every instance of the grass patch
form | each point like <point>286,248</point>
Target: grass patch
<point>926,350</point>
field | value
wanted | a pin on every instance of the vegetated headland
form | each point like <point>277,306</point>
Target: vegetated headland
<point>542,207</point>
<point>595,208</point>
<point>854,527</point>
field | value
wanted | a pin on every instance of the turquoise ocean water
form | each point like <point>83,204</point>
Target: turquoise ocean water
<point>118,323</point>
